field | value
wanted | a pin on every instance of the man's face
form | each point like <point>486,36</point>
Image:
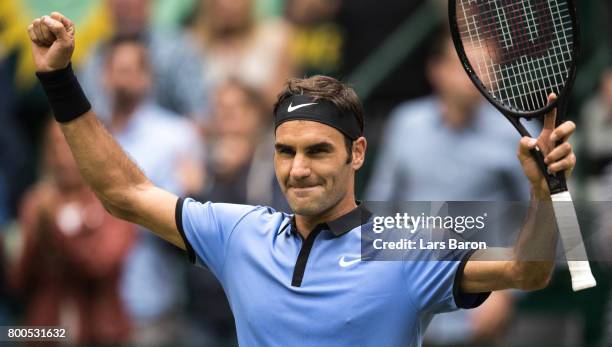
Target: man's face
<point>130,17</point>
<point>229,16</point>
<point>311,166</point>
<point>233,113</point>
<point>450,80</point>
<point>128,78</point>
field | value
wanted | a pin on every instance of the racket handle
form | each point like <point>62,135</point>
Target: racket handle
<point>572,242</point>
<point>556,182</point>
<point>582,277</point>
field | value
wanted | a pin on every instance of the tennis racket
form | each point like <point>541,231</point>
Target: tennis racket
<point>517,53</point>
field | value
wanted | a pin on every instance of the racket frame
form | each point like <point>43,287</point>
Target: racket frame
<point>556,182</point>
<point>510,112</point>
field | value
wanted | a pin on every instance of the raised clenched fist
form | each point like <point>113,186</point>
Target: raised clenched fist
<point>52,41</point>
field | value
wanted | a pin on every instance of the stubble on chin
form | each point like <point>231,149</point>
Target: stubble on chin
<point>305,209</point>
<point>309,208</point>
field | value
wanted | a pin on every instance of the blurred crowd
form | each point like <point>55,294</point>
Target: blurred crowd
<point>190,99</point>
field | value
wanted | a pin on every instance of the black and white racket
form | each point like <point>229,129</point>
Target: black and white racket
<point>517,53</point>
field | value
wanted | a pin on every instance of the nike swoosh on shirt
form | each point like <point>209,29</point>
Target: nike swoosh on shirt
<point>293,108</point>
<point>346,263</point>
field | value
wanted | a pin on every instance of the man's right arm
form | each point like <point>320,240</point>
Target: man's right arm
<point>121,186</point>
<point>117,181</point>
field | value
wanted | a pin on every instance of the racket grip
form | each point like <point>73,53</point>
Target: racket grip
<point>556,182</point>
<point>582,277</point>
<point>573,244</point>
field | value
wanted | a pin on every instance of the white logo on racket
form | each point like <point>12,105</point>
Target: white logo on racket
<point>293,108</point>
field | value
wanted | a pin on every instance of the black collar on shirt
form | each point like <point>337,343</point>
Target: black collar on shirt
<point>341,225</point>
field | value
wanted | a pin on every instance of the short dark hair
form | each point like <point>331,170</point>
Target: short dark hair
<point>119,40</point>
<point>253,96</point>
<point>330,89</point>
<point>438,45</point>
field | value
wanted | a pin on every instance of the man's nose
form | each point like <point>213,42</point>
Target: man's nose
<point>300,167</point>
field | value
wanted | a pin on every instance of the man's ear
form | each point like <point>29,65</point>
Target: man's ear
<point>359,150</point>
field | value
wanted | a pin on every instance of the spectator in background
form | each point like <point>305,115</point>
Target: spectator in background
<point>241,159</point>
<point>177,68</point>
<point>415,164</point>
<point>597,120</point>
<point>317,42</point>
<point>167,148</point>
<point>234,45</point>
<point>72,253</point>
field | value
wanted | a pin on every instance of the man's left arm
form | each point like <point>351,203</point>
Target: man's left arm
<point>529,264</point>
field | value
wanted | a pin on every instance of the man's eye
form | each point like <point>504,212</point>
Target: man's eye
<point>315,151</point>
<point>285,151</point>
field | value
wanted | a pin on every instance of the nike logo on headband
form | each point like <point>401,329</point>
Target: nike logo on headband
<point>293,108</point>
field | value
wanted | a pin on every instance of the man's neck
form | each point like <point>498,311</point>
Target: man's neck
<point>457,115</point>
<point>306,224</point>
<point>122,115</point>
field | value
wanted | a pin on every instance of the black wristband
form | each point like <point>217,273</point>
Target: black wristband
<point>66,97</point>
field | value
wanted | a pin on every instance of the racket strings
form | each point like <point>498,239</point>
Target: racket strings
<point>521,51</point>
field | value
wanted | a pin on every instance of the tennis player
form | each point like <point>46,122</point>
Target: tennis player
<point>299,280</point>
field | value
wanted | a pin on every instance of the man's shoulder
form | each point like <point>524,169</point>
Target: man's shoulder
<point>252,210</point>
<point>240,213</point>
<point>419,111</point>
<point>263,216</point>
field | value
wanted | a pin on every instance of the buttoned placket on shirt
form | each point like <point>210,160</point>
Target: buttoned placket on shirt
<point>338,227</point>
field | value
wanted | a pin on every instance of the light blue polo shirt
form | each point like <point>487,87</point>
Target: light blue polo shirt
<point>287,291</point>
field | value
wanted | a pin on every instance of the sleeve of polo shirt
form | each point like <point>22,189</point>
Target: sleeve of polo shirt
<point>206,229</point>
<point>437,286</point>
